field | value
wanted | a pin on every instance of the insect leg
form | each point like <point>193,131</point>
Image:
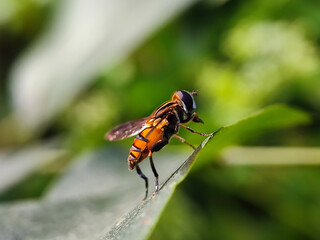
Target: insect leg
<point>156,147</point>
<point>191,130</point>
<point>145,179</point>
<point>155,173</point>
<point>195,118</point>
<point>184,141</point>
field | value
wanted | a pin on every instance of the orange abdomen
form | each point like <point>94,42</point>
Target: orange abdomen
<point>144,141</point>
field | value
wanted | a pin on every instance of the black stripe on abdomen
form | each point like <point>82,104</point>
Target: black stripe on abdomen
<point>142,138</point>
<point>135,149</point>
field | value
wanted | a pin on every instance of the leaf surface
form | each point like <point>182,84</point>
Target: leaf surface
<point>139,223</point>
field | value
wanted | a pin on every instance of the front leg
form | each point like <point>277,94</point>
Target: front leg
<point>193,117</point>
<point>191,130</point>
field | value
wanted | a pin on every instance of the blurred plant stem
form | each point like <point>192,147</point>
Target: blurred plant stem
<point>235,156</point>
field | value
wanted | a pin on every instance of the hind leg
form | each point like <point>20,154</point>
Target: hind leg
<point>156,147</point>
<point>144,178</point>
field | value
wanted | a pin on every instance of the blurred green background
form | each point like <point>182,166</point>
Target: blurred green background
<point>239,55</point>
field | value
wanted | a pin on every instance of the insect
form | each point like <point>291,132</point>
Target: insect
<point>155,131</point>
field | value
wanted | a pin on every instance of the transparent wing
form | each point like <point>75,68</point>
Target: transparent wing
<point>127,129</point>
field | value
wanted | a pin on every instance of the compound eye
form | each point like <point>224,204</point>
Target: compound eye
<point>187,99</point>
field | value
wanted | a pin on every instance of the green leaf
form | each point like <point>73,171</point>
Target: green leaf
<point>272,118</point>
<point>139,223</point>
<point>94,207</point>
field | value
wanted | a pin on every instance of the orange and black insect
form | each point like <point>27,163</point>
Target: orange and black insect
<point>154,132</point>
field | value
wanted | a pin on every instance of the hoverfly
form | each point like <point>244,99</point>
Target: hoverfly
<point>155,131</point>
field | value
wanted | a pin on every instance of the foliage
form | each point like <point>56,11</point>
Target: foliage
<point>71,70</point>
<point>144,216</point>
